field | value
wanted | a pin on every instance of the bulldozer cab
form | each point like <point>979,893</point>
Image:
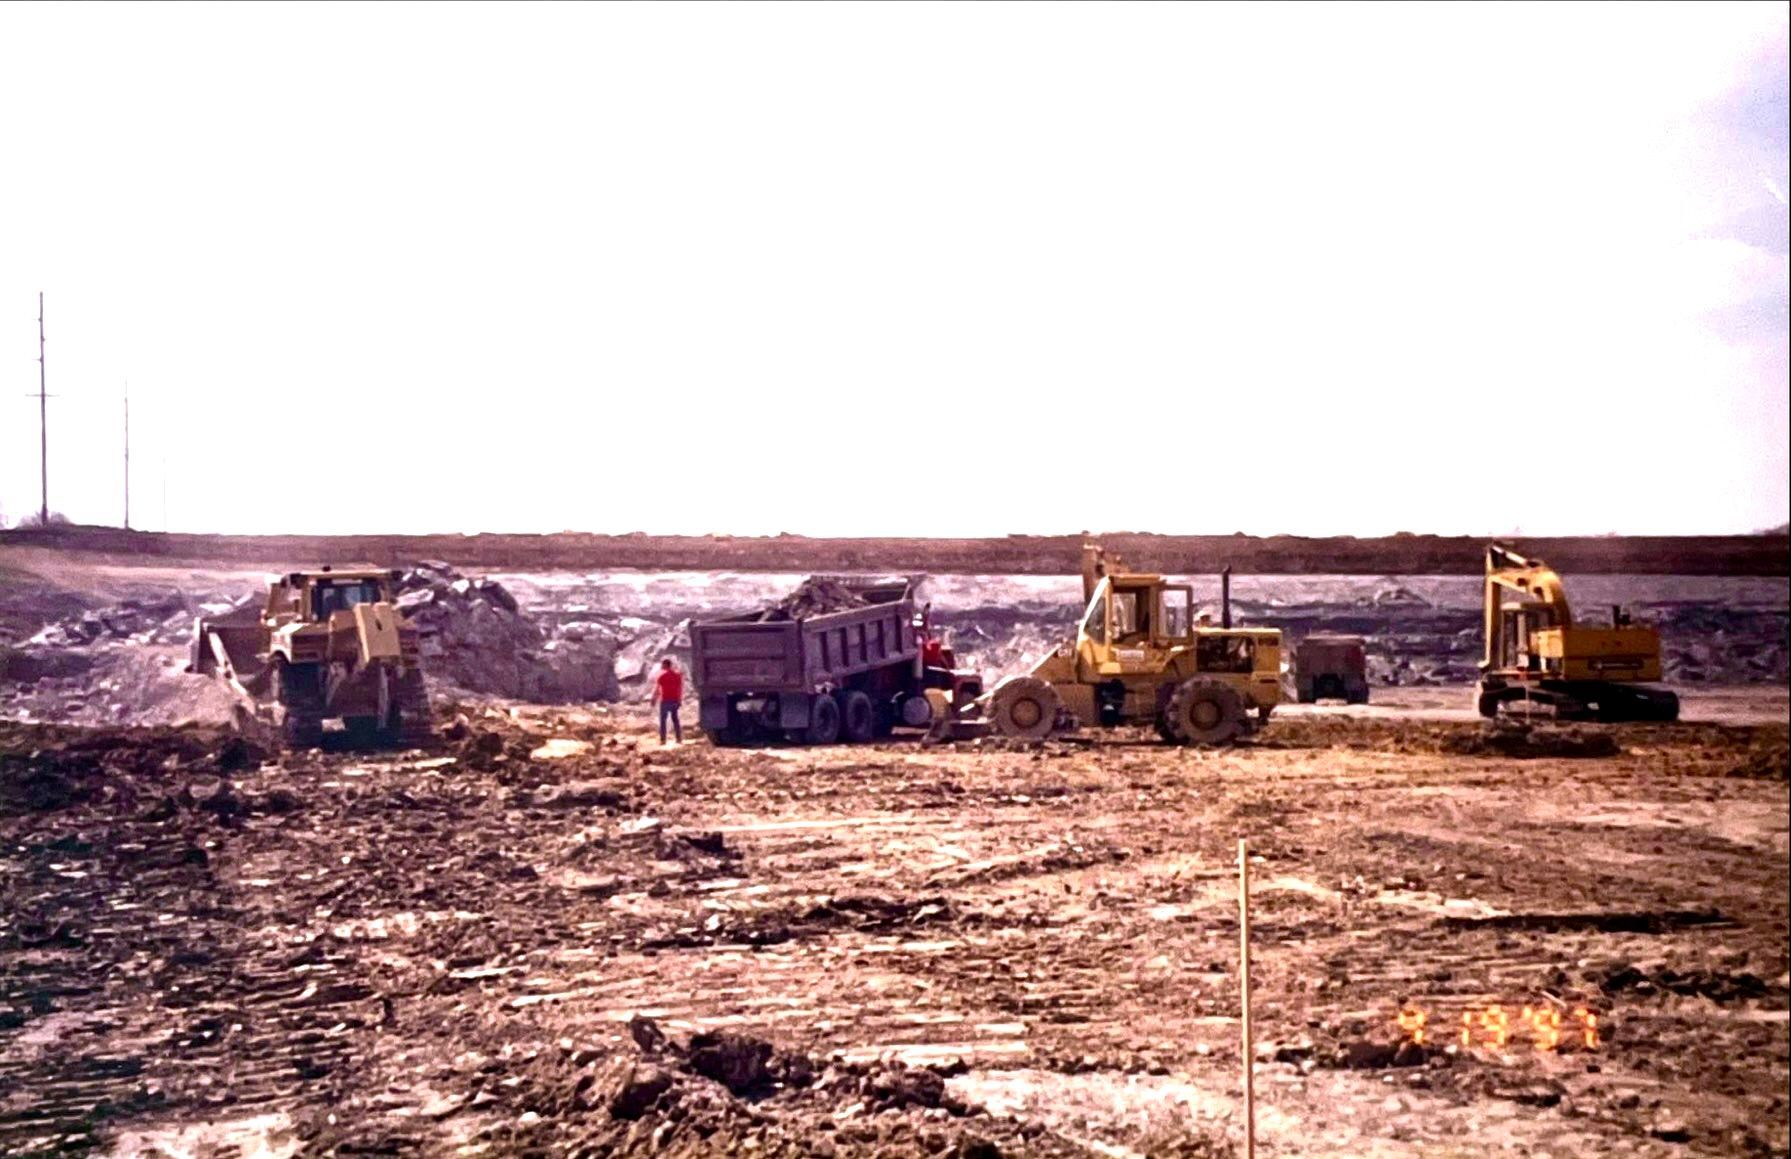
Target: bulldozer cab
<point>313,597</point>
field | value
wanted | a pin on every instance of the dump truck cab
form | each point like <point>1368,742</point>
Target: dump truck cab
<point>1142,654</point>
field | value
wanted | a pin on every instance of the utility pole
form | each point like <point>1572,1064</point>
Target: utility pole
<point>43,418</point>
<point>127,454</point>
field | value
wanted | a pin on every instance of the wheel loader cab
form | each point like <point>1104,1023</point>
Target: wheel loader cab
<point>1131,623</point>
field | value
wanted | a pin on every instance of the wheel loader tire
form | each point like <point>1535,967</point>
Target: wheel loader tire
<point>1206,712</point>
<point>1024,708</point>
<point>823,721</point>
<point>858,718</point>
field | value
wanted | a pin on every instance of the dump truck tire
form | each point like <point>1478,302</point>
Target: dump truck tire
<point>726,738</point>
<point>1024,708</point>
<point>858,718</point>
<point>823,721</point>
<point>1206,712</point>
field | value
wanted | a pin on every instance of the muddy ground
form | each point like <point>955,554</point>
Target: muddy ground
<point>551,936</point>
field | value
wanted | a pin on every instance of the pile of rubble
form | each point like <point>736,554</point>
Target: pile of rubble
<point>474,637</point>
<point>815,596</point>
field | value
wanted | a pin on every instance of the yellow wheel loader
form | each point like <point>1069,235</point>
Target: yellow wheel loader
<point>1538,659</point>
<point>1139,657</point>
<point>326,645</point>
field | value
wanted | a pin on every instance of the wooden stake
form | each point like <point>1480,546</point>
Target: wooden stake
<point>1244,986</point>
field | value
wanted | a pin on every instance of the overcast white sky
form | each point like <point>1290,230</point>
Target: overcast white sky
<point>899,268</point>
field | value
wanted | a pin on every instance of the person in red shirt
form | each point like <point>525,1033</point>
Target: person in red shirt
<point>668,693</point>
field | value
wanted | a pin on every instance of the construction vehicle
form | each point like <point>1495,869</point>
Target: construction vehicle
<point>326,645</point>
<point>1329,667</point>
<point>844,659</point>
<point>1539,660</point>
<point>1140,656</point>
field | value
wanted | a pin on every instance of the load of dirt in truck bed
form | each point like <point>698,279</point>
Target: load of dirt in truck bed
<point>815,596</point>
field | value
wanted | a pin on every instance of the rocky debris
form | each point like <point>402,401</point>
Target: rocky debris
<point>474,636</point>
<point>815,596</point>
<point>45,768</point>
<point>163,620</point>
<point>1367,1054</point>
<point>1719,986</point>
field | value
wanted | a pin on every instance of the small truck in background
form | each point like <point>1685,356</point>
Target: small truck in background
<point>1328,667</point>
<point>841,659</point>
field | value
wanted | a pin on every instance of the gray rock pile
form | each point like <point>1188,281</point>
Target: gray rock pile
<point>474,637</point>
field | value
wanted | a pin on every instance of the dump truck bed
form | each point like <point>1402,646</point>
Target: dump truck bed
<point>752,653</point>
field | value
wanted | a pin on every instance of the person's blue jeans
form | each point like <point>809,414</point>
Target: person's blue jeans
<point>668,709</point>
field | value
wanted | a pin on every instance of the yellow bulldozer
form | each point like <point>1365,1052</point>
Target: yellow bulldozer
<point>326,645</point>
<point>1141,656</point>
<point>1538,659</point>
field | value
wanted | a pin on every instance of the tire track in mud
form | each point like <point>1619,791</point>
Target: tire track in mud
<point>132,984</point>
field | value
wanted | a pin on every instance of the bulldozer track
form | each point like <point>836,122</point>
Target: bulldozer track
<point>118,997</point>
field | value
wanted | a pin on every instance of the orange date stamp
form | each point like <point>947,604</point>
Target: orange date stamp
<point>1500,1027</point>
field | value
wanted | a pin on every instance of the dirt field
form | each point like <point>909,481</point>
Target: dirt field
<point>898,950</point>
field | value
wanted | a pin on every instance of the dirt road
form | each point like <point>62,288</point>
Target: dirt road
<point>441,953</point>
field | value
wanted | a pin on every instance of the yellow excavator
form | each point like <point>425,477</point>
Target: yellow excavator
<point>1141,656</point>
<point>1538,659</point>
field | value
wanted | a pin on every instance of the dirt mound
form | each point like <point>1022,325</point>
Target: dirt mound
<point>47,768</point>
<point>723,1093</point>
<point>1528,742</point>
<point>815,596</point>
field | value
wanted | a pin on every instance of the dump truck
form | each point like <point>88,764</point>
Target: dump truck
<point>1140,657</point>
<point>844,659</point>
<point>1331,667</point>
<point>1540,659</point>
<point>325,645</point>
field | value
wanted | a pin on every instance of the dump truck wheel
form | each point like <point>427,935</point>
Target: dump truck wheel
<point>1206,712</point>
<point>823,721</point>
<point>1024,708</point>
<point>726,738</point>
<point>858,718</point>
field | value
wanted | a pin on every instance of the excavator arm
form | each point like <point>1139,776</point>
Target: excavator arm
<point>1536,585</point>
